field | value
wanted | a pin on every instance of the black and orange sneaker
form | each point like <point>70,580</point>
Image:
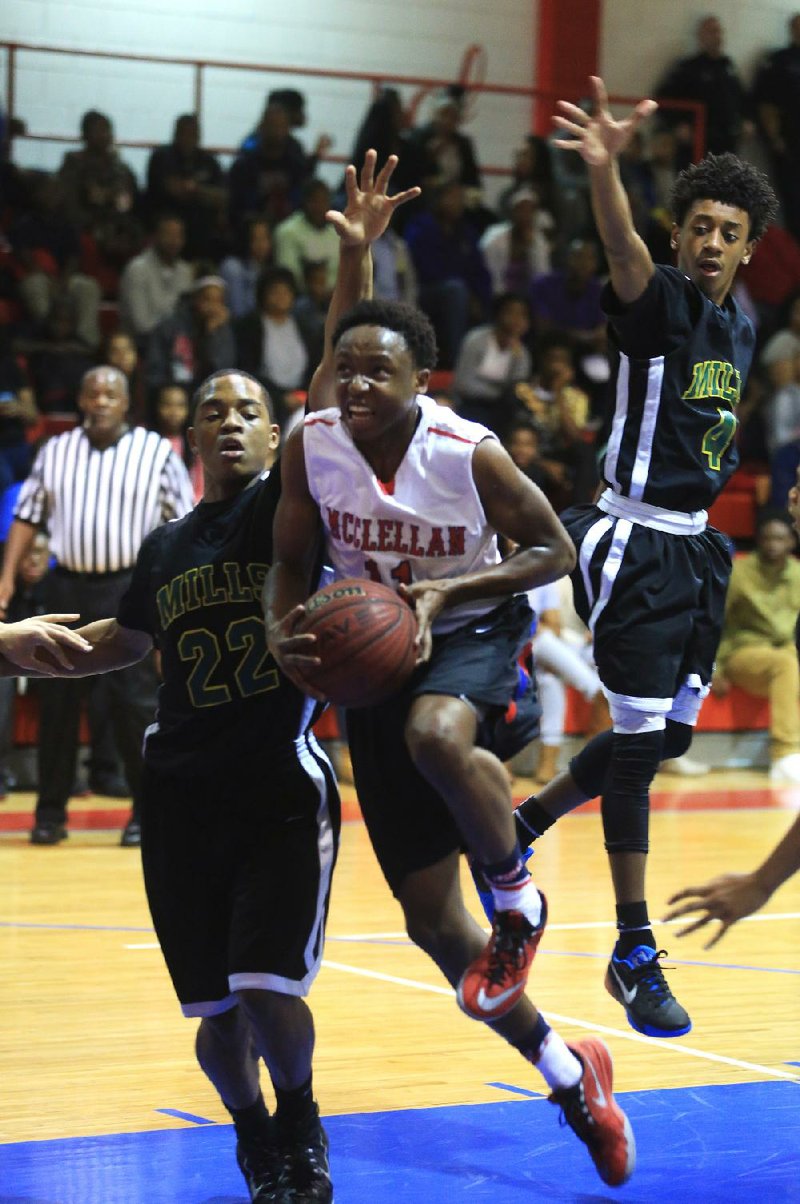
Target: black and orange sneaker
<point>495,981</point>
<point>590,1110</point>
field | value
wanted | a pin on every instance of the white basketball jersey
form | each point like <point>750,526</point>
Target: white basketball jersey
<point>425,524</point>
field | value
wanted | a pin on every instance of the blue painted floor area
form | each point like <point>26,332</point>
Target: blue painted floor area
<point>708,1145</point>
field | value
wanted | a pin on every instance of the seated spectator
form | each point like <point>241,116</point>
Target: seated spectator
<point>274,345</point>
<point>120,351</point>
<point>560,412</point>
<point>266,180</point>
<point>523,445</point>
<point>450,152</point>
<point>57,360</point>
<point>196,340</point>
<point>757,651</point>
<point>186,180</point>
<point>453,280</point>
<point>772,276</point>
<point>519,249</point>
<point>154,281</point>
<point>47,251</point>
<point>783,427</point>
<point>393,275</point>
<point>560,661</point>
<point>101,193</point>
<point>293,104</point>
<point>311,307</point>
<point>241,271</point>
<point>17,412</point>
<point>568,299</point>
<point>781,351</point>
<point>493,359</point>
<point>533,168</point>
<point>306,237</point>
<point>383,130</point>
<point>172,421</point>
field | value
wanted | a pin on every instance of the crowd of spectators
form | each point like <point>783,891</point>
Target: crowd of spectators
<point>196,267</point>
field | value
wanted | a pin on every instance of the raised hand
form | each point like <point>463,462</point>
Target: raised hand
<point>598,137</point>
<point>369,207</point>
<point>20,643</point>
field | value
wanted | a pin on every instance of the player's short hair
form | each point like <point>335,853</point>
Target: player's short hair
<point>773,514</point>
<point>197,396</point>
<point>728,179</point>
<point>403,319</point>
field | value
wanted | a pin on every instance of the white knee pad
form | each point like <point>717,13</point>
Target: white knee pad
<point>632,715</point>
<point>688,701</point>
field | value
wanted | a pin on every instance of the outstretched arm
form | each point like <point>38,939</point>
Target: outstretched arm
<point>732,896</point>
<point>296,533</point>
<point>599,140</point>
<point>366,216</point>
<point>44,648</point>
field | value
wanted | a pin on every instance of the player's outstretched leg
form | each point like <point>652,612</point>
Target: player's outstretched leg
<point>590,1110</point>
<point>495,982</point>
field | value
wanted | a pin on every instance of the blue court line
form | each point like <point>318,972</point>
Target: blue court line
<point>195,1120</point>
<point>519,1090</point>
<point>727,1144</point>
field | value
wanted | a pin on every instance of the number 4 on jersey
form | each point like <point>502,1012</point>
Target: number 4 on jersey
<point>718,438</point>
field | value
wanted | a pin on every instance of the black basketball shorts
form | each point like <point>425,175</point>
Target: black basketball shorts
<point>409,824</point>
<point>653,600</point>
<point>237,869</point>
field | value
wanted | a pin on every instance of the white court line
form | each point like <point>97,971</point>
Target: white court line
<point>625,1034</point>
<point>577,927</point>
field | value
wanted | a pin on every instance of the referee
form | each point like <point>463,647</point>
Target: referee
<point>99,490</point>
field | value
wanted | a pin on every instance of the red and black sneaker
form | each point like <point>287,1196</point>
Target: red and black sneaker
<point>495,981</point>
<point>590,1110</point>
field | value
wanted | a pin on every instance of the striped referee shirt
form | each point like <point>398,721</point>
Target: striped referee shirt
<point>99,504</point>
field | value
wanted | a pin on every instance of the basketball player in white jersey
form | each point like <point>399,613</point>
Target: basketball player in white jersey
<point>407,493</point>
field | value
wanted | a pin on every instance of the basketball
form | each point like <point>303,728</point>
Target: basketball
<point>365,640</point>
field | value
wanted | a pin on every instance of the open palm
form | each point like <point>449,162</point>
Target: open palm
<point>598,137</point>
<point>369,208</point>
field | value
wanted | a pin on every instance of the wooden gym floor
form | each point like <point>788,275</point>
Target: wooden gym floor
<point>102,1102</point>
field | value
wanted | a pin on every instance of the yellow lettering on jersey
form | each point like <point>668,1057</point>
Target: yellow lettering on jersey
<point>169,600</point>
<point>715,379</point>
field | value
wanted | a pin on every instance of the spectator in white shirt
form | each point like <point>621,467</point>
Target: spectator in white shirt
<point>153,282</point>
<point>517,250</point>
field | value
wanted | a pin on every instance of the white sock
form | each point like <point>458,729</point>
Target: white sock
<point>522,896</point>
<point>557,1063</point>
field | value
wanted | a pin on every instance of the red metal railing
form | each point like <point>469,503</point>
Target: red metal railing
<point>471,75</point>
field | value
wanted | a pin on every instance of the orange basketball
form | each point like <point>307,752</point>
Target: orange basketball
<point>365,640</point>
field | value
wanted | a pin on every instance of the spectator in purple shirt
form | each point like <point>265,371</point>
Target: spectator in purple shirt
<point>455,288</point>
<point>568,300</point>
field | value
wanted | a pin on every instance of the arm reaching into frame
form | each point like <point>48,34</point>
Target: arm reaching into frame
<point>732,896</point>
<point>365,217</point>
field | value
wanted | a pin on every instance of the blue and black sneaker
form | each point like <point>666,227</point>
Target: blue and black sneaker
<point>638,983</point>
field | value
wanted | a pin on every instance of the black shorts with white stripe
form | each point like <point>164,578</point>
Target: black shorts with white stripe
<point>653,600</point>
<point>237,867</point>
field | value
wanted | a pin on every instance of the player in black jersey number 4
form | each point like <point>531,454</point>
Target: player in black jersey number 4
<point>651,577</point>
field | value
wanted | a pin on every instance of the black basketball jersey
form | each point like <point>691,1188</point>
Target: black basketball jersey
<point>196,589</point>
<point>679,363</point>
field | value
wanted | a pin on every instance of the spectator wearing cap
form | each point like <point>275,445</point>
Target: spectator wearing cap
<point>154,281</point>
<point>306,237</point>
<point>519,249</point>
<point>194,341</point>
